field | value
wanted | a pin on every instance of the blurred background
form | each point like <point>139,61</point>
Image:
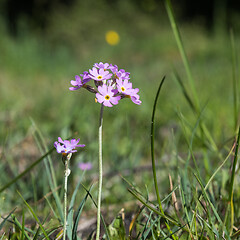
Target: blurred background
<point>44,44</point>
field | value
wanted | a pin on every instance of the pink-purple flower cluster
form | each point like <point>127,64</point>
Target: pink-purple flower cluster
<point>112,84</point>
<point>66,146</point>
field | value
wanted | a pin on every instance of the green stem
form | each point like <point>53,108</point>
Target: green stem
<point>100,173</point>
<point>66,174</point>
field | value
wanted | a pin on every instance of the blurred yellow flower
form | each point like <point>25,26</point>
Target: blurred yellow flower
<point>112,38</point>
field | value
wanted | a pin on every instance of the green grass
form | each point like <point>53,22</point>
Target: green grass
<point>195,147</point>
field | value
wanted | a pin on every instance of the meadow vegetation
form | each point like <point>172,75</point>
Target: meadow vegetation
<point>196,128</point>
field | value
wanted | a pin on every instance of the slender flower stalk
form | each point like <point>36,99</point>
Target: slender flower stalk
<point>110,85</point>
<point>66,159</point>
<point>66,148</point>
<point>100,173</point>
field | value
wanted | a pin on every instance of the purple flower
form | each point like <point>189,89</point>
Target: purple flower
<point>101,65</point>
<point>123,86</point>
<point>106,95</point>
<point>99,74</point>
<point>78,83</point>
<point>85,166</point>
<point>66,146</point>
<point>85,77</point>
<point>134,96</point>
<point>112,84</point>
<point>122,74</point>
<point>113,68</point>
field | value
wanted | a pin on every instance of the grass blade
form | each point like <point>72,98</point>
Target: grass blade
<point>19,226</point>
<point>181,50</point>
<point>49,168</point>
<point>71,210</point>
<point>35,216</point>
<point>5,219</point>
<point>77,217</point>
<point>234,78</point>
<point>26,171</point>
<point>23,223</point>
<point>232,180</point>
<point>104,224</point>
<point>152,146</point>
<point>205,195</point>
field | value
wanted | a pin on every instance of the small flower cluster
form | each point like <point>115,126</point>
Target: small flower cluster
<point>112,84</point>
<point>66,146</point>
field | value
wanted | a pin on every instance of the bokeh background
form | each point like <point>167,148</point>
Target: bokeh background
<point>44,44</point>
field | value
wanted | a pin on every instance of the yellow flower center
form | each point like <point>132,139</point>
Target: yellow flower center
<point>107,97</point>
<point>123,89</point>
<point>99,77</point>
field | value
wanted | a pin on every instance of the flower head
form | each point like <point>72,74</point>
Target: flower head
<point>66,146</point>
<point>78,83</point>
<point>99,74</point>
<point>101,65</point>
<point>106,95</point>
<point>111,84</point>
<point>85,166</point>
<point>123,86</point>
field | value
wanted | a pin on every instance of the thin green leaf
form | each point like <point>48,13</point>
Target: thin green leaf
<point>27,170</point>
<point>147,228</point>
<point>49,167</point>
<point>152,146</point>
<point>6,218</point>
<point>23,224</point>
<point>35,237</point>
<point>71,209</point>
<point>78,214</point>
<point>182,51</point>
<point>35,216</point>
<point>205,195</point>
<point>104,224</point>
<point>234,78</point>
<point>19,226</point>
<point>232,181</point>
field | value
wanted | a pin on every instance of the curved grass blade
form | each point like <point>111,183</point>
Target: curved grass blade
<point>183,54</point>
<point>152,146</point>
<point>133,222</point>
<point>23,223</point>
<point>152,151</point>
<point>19,226</point>
<point>205,195</point>
<point>35,216</point>
<point>36,234</point>
<point>147,228</point>
<point>185,93</point>
<point>104,224</point>
<point>49,167</point>
<point>234,78</point>
<point>6,218</point>
<point>236,234</point>
<point>2,236</point>
<point>26,171</point>
<point>77,217</point>
<point>154,209</point>
<point>232,181</point>
<point>71,210</point>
